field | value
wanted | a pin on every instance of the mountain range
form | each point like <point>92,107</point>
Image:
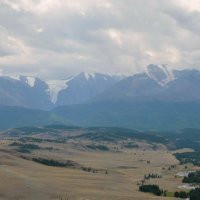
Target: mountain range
<point>157,83</point>
<point>156,99</point>
<point>31,92</point>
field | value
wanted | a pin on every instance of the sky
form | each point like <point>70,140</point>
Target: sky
<point>54,39</point>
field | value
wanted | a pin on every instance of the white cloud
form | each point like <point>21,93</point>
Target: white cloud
<point>193,5</point>
<point>42,7</point>
<point>53,39</point>
<point>39,30</point>
<point>115,36</point>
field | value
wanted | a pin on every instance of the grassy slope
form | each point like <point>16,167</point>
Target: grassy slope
<point>156,116</point>
<point>141,116</point>
<point>11,117</point>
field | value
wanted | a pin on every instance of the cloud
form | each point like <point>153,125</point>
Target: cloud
<point>55,39</point>
<point>189,5</point>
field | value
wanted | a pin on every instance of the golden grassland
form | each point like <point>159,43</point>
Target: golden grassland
<point>22,179</point>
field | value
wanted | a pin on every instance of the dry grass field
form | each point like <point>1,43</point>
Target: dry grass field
<point>114,175</point>
<point>25,179</point>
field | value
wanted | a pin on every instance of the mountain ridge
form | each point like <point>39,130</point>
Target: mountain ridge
<point>152,85</point>
<point>32,92</point>
<point>156,83</point>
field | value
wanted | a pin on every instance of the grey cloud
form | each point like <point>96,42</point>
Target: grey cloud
<point>54,39</point>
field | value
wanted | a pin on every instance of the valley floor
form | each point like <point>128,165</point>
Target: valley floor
<point>117,178</point>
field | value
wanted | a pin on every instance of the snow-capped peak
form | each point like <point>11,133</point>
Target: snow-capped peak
<point>26,79</point>
<point>15,77</point>
<point>160,73</point>
<point>55,87</point>
<point>89,75</point>
<point>30,81</point>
